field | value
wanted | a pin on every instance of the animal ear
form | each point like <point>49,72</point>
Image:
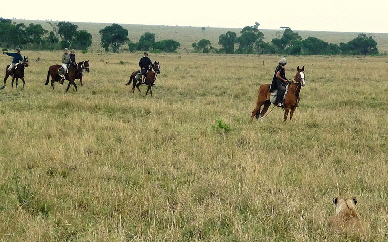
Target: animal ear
<point>335,200</point>
<point>355,201</point>
<point>297,68</point>
<point>303,68</point>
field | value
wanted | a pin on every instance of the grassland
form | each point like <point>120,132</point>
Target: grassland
<point>103,164</point>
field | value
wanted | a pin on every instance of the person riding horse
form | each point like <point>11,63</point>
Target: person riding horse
<point>280,82</point>
<point>72,57</point>
<point>145,64</point>
<point>65,63</point>
<point>17,57</point>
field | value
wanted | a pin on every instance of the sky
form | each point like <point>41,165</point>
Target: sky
<point>315,15</point>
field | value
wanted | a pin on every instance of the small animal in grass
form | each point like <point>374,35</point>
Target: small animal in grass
<point>346,218</point>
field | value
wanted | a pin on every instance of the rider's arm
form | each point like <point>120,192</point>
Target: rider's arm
<point>280,77</point>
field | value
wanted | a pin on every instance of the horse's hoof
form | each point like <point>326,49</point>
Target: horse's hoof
<point>2,87</point>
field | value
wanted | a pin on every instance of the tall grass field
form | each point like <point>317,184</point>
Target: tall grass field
<point>186,164</point>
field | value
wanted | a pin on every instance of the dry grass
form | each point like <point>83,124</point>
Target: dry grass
<point>103,164</point>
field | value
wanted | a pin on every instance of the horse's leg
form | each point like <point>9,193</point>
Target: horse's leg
<point>13,79</point>
<point>5,78</point>
<point>68,86</point>
<point>265,109</point>
<point>48,78</point>
<point>292,112</point>
<point>75,86</point>
<point>286,111</point>
<point>136,86</point>
<point>256,112</point>
<point>24,83</point>
<point>80,80</point>
<point>149,89</point>
<point>129,82</point>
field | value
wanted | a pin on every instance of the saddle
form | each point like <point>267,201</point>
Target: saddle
<point>273,94</point>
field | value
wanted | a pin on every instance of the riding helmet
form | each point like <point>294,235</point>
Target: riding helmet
<point>283,61</point>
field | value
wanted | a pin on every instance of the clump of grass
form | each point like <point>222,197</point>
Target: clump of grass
<point>221,126</point>
<point>27,199</point>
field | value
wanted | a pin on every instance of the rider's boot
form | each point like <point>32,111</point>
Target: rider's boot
<point>280,98</point>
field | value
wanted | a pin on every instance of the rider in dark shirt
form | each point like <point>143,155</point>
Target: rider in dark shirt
<point>280,82</point>
<point>72,57</point>
<point>145,64</point>
<point>17,57</point>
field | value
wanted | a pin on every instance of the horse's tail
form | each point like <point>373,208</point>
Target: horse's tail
<point>132,78</point>
<point>48,77</point>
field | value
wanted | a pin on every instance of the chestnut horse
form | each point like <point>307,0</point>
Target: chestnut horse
<point>291,98</point>
<point>53,71</point>
<point>135,78</point>
<point>16,73</point>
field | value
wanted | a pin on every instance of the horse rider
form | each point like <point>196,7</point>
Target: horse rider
<point>280,82</point>
<point>17,57</point>
<point>145,64</point>
<point>72,57</point>
<point>65,63</point>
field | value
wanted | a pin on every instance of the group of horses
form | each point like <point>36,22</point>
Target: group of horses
<point>75,71</point>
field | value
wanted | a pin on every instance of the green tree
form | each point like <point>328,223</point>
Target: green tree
<point>112,37</point>
<point>248,39</point>
<point>203,46</point>
<point>35,33</point>
<point>168,45</point>
<point>286,41</point>
<point>362,45</point>
<point>315,46</point>
<point>67,31</point>
<point>266,48</point>
<point>146,42</point>
<point>227,41</point>
<point>82,40</point>
<point>132,46</point>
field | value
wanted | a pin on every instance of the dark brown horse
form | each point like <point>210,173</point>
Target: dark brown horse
<point>291,98</point>
<point>53,71</point>
<point>81,67</point>
<point>17,72</point>
<point>135,78</point>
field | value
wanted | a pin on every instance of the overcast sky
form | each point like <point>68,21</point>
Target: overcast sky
<point>325,15</point>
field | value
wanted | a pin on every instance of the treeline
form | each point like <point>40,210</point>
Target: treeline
<point>115,38</point>
<point>34,36</point>
<point>66,35</point>
<point>251,41</point>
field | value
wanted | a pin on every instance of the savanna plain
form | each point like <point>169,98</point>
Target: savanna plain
<point>186,164</point>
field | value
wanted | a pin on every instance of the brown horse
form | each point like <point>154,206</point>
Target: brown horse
<point>81,66</point>
<point>291,98</point>
<point>135,78</point>
<point>16,73</point>
<point>53,71</point>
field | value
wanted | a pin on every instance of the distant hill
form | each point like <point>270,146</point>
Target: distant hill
<point>187,35</point>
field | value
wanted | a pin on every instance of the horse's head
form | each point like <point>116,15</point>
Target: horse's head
<point>86,65</point>
<point>156,67</point>
<point>300,77</point>
<point>25,61</point>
